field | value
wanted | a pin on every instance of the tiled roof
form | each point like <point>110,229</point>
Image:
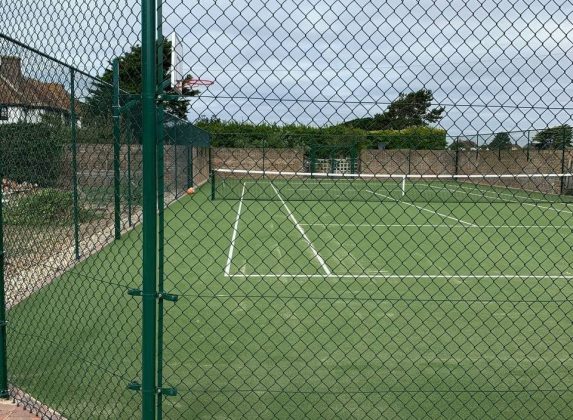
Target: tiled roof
<point>17,90</point>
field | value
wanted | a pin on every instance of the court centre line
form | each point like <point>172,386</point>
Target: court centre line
<point>406,276</point>
<point>234,236</point>
<point>303,233</point>
<point>423,208</point>
<point>440,226</point>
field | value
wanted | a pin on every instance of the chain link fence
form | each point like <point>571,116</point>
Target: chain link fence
<point>261,209</point>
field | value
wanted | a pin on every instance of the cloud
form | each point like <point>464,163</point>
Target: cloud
<point>495,65</point>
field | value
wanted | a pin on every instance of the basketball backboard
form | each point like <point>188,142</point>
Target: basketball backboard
<point>176,70</point>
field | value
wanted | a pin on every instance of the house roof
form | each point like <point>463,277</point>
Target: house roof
<point>18,90</point>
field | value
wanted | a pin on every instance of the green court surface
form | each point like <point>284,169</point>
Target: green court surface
<point>372,308</point>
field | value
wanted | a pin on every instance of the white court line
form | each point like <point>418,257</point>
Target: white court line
<point>407,276</point>
<point>234,237</point>
<point>519,202</point>
<point>423,208</point>
<point>469,193</point>
<point>440,226</point>
<point>302,232</point>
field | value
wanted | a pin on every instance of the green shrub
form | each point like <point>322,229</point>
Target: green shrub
<point>418,138</point>
<point>45,207</point>
<point>33,152</point>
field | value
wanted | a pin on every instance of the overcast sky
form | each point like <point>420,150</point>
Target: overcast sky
<point>494,65</point>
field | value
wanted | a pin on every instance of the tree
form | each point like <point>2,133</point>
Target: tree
<point>557,137</point>
<point>462,144</point>
<point>408,110</point>
<point>501,141</point>
<point>99,102</point>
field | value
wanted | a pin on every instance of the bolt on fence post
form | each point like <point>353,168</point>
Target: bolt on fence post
<point>4,393</point>
<point>116,149</point>
<point>149,284</point>
<point>73,127</point>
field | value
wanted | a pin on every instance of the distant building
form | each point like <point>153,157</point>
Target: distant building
<point>23,99</point>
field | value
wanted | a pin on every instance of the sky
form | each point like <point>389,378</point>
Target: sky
<point>494,65</point>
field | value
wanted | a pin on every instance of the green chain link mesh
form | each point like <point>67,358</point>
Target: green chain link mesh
<point>364,208</point>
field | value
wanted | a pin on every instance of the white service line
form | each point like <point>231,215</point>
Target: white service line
<point>234,236</point>
<point>423,209</point>
<point>440,226</point>
<point>519,202</point>
<point>303,233</point>
<point>407,276</point>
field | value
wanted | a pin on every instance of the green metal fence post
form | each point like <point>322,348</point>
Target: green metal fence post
<point>353,157</point>
<point>161,201</point>
<point>528,144</point>
<point>563,141</point>
<point>129,193</point>
<point>213,185</point>
<point>4,393</point>
<point>149,289</point>
<point>190,177</point>
<point>73,128</point>
<point>116,150</point>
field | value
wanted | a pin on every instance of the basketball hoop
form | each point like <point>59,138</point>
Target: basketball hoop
<point>194,82</point>
<point>185,86</point>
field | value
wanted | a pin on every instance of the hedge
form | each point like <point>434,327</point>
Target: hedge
<point>418,138</point>
<point>237,134</point>
<point>32,152</point>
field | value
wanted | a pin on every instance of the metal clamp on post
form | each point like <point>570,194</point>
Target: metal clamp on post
<point>168,392</point>
<point>163,296</point>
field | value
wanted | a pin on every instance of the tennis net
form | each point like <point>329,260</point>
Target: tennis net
<point>229,184</point>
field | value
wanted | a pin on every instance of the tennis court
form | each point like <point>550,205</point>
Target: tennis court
<point>385,297</point>
<point>377,229</point>
<point>337,307</point>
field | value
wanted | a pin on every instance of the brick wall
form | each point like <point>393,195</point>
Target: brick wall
<point>95,166</point>
<point>443,162</point>
<point>291,160</point>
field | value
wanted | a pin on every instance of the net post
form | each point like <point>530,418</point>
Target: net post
<point>73,130</point>
<point>312,159</point>
<point>4,392</point>
<point>116,150</point>
<point>212,185</point>
<point>404,185</point>
<point>264,157</point>
<point>457,156</point>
